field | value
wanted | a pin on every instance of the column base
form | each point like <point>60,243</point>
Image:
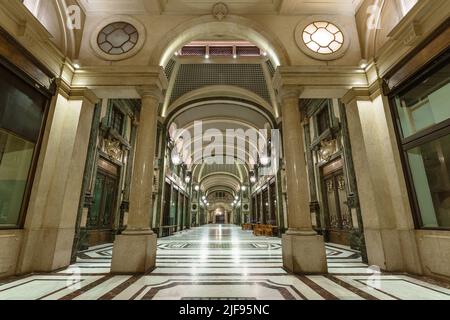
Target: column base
<point>134,253</point>
<point>304,253</point>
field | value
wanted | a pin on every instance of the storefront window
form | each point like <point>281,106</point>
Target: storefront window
<point>16,155</point>
<point>21,115</point>
<point>430,170</point>
<point>426,104</point>
<point>423,115</point>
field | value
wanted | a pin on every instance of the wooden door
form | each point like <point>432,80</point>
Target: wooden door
<point>337,214</point>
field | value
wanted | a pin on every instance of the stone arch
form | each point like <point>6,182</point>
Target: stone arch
<point>231,26</point>
<point>225,94</point>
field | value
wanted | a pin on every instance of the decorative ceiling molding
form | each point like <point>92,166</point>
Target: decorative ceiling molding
<point>140,41</point>
<point>220,11</point>
<point>240,7</point>
<point>310,20</point>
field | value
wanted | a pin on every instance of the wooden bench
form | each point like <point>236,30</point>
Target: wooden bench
<point>247,226</point>
<point>264,230</point>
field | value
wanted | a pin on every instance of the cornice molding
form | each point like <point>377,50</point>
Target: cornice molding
<point>320,77</point>
<point>363,93</point>
<point>151,91</point>
<point>83,94</point>
<point>416,27</point>
<point>356,94</point>
<point>120,76</point>
<point>77,93</point>
<point>62,87</point>
<point>31,34</point>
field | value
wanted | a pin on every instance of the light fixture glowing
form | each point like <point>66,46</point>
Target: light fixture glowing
<point>363,64</point>
<point>236,198</point>
<point>234,56</point>
<point>206,56</point>
<point>187,179</point>
<point>203,198</point>
<point>196,188</point>
<point>323,37</point>
<point>264,53</point>
<point>243,188</point>
<point>265,160</point>
<point>76,66</point>
<point>176,159</point>
<point>252,179</point>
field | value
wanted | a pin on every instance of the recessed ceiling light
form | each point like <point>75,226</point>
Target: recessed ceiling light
<point>323,37</point>
<point>363,64</point>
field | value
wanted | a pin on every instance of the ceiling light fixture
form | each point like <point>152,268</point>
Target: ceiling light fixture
<point>363,64</point>
<point>265,160</point>
<point>323,37</point>
<point>176,159</point>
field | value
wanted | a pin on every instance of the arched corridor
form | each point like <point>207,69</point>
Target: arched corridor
<point>244,150</point>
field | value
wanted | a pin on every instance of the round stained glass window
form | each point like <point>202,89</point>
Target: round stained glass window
<point>323,37</point>
<point>118,38</point>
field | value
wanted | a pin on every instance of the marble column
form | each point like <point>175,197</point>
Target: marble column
<point>52,211</point>
<point>303,249</point>
<point>135,249</point>
<point>388,224</point>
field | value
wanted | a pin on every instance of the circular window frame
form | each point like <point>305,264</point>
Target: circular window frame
<point>142,35</point>
<point>299,30</point>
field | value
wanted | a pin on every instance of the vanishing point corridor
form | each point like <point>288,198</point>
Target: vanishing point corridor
<point>212,151</point>
<point>220,262</point>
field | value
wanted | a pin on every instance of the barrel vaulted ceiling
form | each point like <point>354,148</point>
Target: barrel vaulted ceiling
<point>221,117</point>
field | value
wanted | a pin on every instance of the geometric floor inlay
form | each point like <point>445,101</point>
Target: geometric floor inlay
<point>220,263</point>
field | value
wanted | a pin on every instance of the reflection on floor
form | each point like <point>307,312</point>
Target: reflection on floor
<point>220,262</point>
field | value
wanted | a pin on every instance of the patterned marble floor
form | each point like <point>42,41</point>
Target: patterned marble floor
<point>221,263</point>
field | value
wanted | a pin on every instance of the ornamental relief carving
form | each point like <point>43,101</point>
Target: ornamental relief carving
<point>113,148</point>
<point>220,11</point>
<point>327,149</point>
<point>322,37</point>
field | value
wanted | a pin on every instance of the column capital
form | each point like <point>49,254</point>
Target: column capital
<point>364,93</point>
<point>289,92</point>
<point>151,91</point>
<point>83,94</point>
<point>361,94</point>
<point>75,93</point>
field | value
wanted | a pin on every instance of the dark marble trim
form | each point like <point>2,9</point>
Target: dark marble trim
<point>120,288</point>
<point>85,289</point>
<point>317,288</point>
<point>351,288</point>
<point>154,291</point>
